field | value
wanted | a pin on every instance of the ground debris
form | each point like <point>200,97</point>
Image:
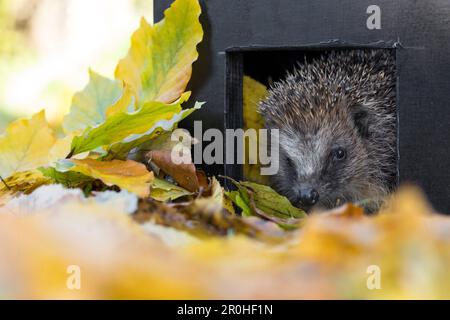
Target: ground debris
<point>203,218</point>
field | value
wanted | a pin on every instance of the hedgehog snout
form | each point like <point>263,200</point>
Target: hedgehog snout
<point>308,197</point>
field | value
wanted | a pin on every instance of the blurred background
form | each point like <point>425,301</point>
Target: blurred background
<point>47,46</point>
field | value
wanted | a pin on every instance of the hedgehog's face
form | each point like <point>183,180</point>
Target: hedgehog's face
<point>323,164</point>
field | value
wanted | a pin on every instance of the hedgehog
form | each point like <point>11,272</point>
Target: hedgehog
<point>336,116</point>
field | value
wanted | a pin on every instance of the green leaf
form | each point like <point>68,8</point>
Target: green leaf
<point>159,63</point>
<point>260,200</point>
<point>270,201</point>
<point>121,149</point>
<point>89,106</point>
<point>126,127</point>
<point>236,197</point>
<point>69,179</point>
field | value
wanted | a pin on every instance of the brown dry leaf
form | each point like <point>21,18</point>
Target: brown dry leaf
<point>185,174</point>
<point>204,184</point>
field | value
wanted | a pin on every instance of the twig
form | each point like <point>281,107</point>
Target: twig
<point>4,182</point>
<point>70,154</point>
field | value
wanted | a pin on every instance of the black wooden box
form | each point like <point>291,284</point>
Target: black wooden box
<point>242,33</point>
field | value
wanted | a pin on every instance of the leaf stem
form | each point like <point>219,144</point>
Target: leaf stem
<point>70,154</point>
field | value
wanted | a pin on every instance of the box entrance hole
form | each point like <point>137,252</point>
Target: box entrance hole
<point>268,66</point>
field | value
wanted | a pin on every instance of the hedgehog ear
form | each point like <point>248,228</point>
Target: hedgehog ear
<point>361,119</point>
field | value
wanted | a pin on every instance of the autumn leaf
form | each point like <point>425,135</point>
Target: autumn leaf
<point>217,192</point>
<point>205,218</point>
<point>120,150</point>
<point>253,93</point>
<point>29,144</point>
<point>236,198</point>
<point>69,179</point>
<point>270,201</point>
<point>61,149</point>
<point>126,103</point>
<point>122,259</point>
<point>89,107</point>
<point>263,201</point>
<point>165,141</point>
<point>128,175</point>
<point>124,127</point>
<point>163,190</point>
<point>159,63</point>
<point>21,182</point>
<point>213,200</point>
<point>184,173</point>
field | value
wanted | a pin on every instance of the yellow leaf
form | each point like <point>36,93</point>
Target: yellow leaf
<point>25,182</point>
<point>26,145</point>
<point>61,148</point>
<point>129,175</point>
<point>253,93</point>
<point>123,104</point>
<point>159,63</point>
<point>217,193</point>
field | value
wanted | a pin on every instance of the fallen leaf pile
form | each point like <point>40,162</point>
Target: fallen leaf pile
<point>110,118</point>
<point>106,203</point>
<point>118,258</point>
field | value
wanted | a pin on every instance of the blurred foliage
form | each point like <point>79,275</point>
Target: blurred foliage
<point>41,64</point>
<point>330,258</point>
<point>12,40</point>
<point>12,45</point>
<point>5,118</point>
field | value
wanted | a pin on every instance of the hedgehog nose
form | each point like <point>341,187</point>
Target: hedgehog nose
<point>309,197</point>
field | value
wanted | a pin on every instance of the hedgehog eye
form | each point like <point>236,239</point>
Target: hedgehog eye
<point>339,154</point>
